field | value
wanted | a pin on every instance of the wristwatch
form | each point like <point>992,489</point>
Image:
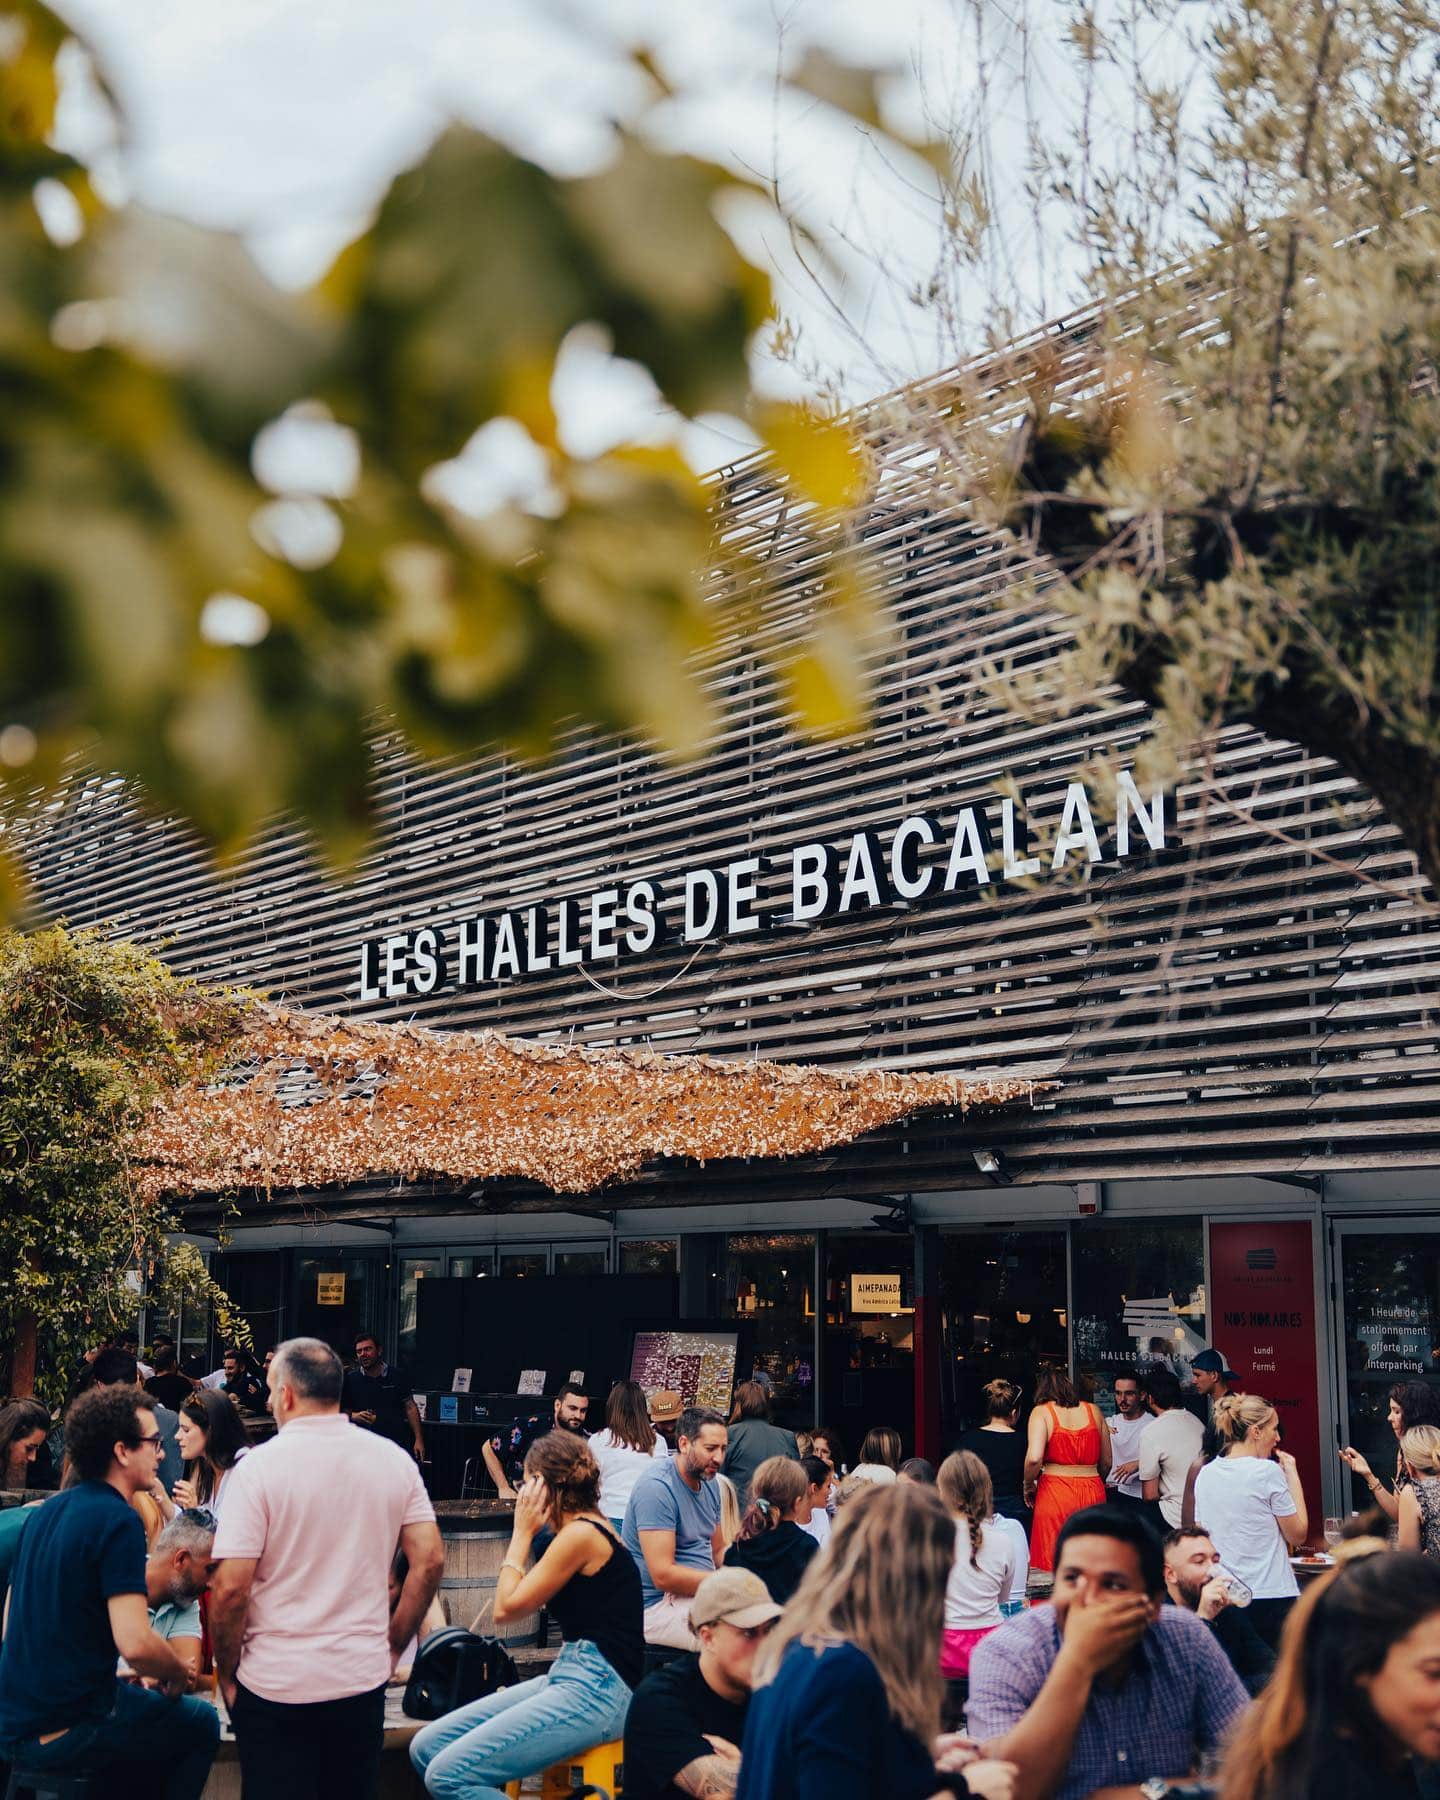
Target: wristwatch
<point>1156,1787</point>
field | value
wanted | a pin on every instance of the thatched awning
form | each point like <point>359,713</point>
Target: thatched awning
<point>314,1102</point>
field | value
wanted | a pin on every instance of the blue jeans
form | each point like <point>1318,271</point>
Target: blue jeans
<point>170,1743</point>
<point>471,1753</point>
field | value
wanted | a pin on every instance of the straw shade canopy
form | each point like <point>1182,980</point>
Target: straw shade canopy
<point>314,1102</point>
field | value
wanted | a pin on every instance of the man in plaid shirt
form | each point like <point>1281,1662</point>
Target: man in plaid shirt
<point>1105,1688</point>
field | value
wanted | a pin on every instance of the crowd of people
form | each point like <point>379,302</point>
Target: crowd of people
<point>1071,1604</point>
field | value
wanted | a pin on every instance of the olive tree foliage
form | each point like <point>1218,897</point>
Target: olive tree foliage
<point>92,1034</point>
<point>1227,459</point>
<point>140,359</point>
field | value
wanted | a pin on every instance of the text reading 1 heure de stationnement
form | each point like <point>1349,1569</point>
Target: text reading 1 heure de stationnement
<point>922,858</point>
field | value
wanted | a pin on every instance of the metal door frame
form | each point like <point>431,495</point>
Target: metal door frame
<point>1417,1224</point>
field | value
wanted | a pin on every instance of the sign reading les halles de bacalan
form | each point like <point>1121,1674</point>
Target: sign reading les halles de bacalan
<point>921,858</point>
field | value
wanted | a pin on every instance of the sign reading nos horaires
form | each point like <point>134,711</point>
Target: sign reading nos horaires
<point>921,859</point>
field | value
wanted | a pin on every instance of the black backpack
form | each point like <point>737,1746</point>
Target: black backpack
<point>454,1667</point>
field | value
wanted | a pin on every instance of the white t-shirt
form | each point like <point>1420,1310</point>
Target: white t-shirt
<point>1125,1436</point>
<point>975,1589</point>
<point>818,1525</point>
<point>1014,1531</point>
<point>1169,1447</point>
<point>620,1468</point>
<point>880,1473</point>
<point>217,1499</point>
<point>1238,1500</point>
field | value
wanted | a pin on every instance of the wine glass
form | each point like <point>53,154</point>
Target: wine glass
<point>1334,1534</point>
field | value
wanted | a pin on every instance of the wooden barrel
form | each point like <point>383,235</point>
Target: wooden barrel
<point>472,1567</point>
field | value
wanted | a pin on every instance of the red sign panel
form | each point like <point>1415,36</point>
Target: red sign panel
<point>1262,1317</point>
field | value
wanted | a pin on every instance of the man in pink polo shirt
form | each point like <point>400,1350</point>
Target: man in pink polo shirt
<point>300,1620</point>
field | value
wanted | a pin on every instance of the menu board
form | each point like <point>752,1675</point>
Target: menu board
<point>1264,1312</point>
<point>697,1365</point>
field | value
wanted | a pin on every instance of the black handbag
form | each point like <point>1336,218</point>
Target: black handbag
<point>454,1667</point>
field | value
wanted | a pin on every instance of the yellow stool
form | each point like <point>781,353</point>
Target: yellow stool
<point>600,1771</point>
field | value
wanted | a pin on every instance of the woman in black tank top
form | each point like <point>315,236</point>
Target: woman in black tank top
<point>589,1581</point>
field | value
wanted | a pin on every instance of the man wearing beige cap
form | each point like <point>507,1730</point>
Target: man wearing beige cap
<point>682,1737</point>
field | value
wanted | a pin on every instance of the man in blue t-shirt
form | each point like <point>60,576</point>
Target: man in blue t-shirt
<point>672,1525</point>
<point>78,1601</point>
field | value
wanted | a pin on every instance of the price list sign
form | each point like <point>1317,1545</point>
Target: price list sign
<point>697,1365</point>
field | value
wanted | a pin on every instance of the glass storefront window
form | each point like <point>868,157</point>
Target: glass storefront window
<point>1139,1297</point>
<point>590,1261</point>
<point>768,1284</point>
<point>1391,1287</point>
<point>524,1262</point>
<point>255,1280</point>
<point>413,1269</point>
<point>472,1268</point>
<point>1002,1307</point>
<point>337,1296</point>
<point>649,1256</point>
<point>869,1335</point>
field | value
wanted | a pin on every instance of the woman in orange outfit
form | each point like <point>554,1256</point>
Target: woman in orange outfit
<point>1067,1456</point>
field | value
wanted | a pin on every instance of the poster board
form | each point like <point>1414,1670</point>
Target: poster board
<point>697,1365</point>
<point>1264,1311</point>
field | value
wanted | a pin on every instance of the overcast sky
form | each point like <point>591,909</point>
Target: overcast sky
<point>284,119</point>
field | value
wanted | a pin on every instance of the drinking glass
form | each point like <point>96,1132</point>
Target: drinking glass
<point>1334,1534</point>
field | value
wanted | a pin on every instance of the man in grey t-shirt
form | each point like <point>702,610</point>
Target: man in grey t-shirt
<point>672,1525</point>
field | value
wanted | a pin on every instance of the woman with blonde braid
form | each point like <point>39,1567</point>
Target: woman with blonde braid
<point>1354,1702</point>
<point>771,1543</point>
<point>847,1689</point>
<point>984,1563</point>
<point>1253,1507</point>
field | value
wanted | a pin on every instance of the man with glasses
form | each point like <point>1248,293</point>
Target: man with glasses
<point>683,1733</point>
<point>78,1601</point>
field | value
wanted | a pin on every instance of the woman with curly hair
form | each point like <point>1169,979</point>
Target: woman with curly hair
<point>771,1543</point>
<point>588,1581</point>
<point>1355,1696</point>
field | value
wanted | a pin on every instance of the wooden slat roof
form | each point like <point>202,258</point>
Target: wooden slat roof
<point>1240,1006</point>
